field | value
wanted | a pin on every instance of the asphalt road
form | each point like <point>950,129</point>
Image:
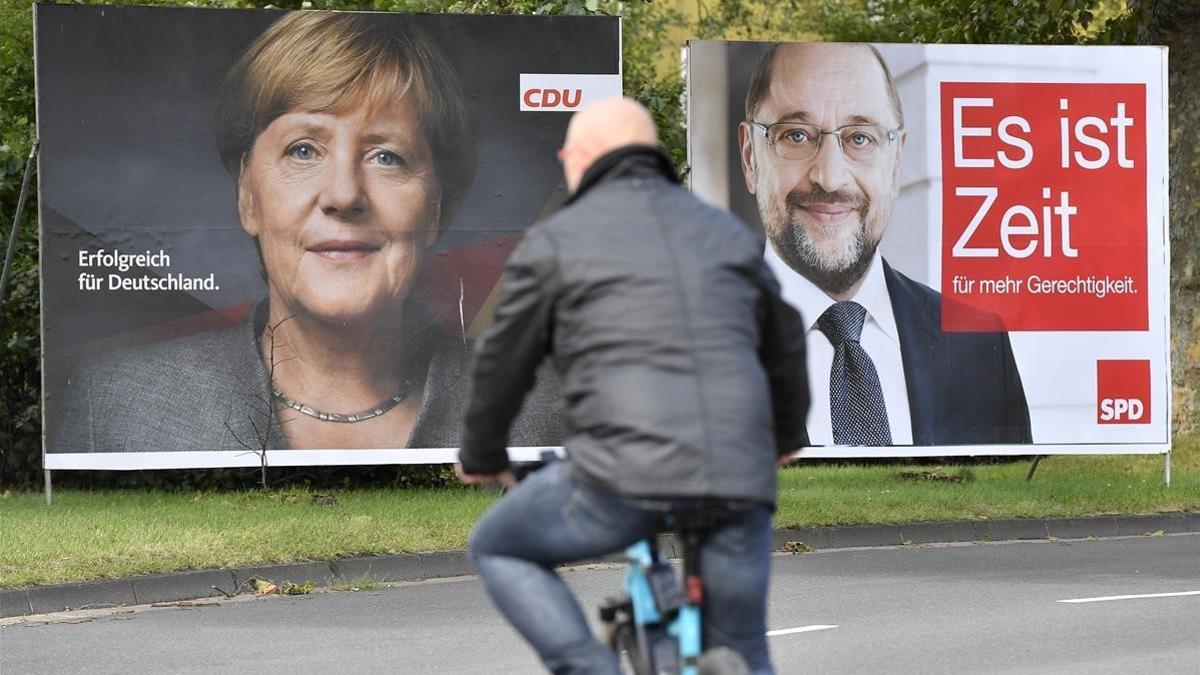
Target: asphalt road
<point>979,608</point>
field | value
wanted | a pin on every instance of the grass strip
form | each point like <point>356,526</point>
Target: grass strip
<point>97,535</point>
<point>1063,486</point>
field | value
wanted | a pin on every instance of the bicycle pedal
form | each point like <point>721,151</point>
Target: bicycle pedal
<point>614,606</point>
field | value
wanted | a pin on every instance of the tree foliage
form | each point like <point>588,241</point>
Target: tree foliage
<point>962,21</point>
<point>1177,25</point>
<point>652,34</point>
<point>20,345</point>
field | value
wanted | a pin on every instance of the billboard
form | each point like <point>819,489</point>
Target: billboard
<point>975,235</point>
<point>281,231</point>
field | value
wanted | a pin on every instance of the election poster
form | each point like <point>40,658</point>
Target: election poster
<point>281,232</point>
<point>975,235</point>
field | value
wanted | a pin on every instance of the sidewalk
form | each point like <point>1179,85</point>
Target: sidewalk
<point>420,566</point>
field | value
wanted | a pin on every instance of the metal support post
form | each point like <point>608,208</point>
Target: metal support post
<point>1037,459</point>
<point>16,227</point>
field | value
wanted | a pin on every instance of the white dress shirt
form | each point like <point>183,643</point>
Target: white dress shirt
<point>879,339</point>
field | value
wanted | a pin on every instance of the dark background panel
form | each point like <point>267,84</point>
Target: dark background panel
<point>742,59</point>
<point>126,111</point>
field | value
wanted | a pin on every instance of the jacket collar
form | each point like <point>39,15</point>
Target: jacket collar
<point>629,160</point>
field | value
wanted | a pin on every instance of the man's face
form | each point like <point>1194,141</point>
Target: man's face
<point>824,215</point>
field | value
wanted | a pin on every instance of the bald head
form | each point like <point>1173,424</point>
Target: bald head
<point>600,128</point>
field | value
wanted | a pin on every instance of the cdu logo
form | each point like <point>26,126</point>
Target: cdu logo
<point>1123,392</point>
<point>542,92</point>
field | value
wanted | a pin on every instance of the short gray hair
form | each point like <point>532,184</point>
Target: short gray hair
<point>761,80</point>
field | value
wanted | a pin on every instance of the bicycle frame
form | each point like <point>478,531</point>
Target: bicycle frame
<point>648,589</point>
<point>665,621</point>
<point>656,623</point>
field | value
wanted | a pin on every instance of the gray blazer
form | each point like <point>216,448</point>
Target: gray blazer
<point>207,391</point>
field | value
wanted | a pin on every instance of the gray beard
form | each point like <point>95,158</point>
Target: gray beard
<point>797,250</point>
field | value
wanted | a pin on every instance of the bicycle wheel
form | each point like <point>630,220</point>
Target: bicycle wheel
<point>721,661</point>
<point>624,642</point>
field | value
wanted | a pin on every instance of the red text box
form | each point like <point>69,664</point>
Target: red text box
<point>1044,206</point>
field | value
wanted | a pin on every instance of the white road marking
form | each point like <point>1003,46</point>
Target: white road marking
<point>1133,597</point>
<point>801,629</point>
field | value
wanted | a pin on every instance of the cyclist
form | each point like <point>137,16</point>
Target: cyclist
<point>684,379</point>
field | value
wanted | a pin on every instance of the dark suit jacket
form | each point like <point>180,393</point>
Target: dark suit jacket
<point>207,391</point>
<point>963,388</point>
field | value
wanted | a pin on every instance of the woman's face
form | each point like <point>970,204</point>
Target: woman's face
<point>344,205</point>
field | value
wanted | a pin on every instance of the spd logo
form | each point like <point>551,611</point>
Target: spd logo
<point>564,92</point>
<point>1123,392</point>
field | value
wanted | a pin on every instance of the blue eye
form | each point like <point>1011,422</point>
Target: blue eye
<point>796,136</point>
<point>388,158</point>
<point>860,139</point>
<point>302,151</point>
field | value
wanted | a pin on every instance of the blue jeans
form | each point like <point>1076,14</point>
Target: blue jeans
<point>549,519</point>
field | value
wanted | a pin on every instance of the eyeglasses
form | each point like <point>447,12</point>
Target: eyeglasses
<point>795,141</point>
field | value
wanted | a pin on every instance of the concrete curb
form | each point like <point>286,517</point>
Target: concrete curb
<point>160,588</point>
<point>984,530</point>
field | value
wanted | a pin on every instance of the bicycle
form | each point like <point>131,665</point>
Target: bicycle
<point>655,627</point>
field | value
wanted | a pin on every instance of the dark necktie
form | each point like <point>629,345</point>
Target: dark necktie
<point>855,397</point>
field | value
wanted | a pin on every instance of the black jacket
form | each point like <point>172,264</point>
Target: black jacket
<point>683,370</point>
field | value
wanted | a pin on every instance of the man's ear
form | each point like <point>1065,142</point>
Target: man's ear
<point>247,209</point>
<point>900,153</point>
<point>749,166</point>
